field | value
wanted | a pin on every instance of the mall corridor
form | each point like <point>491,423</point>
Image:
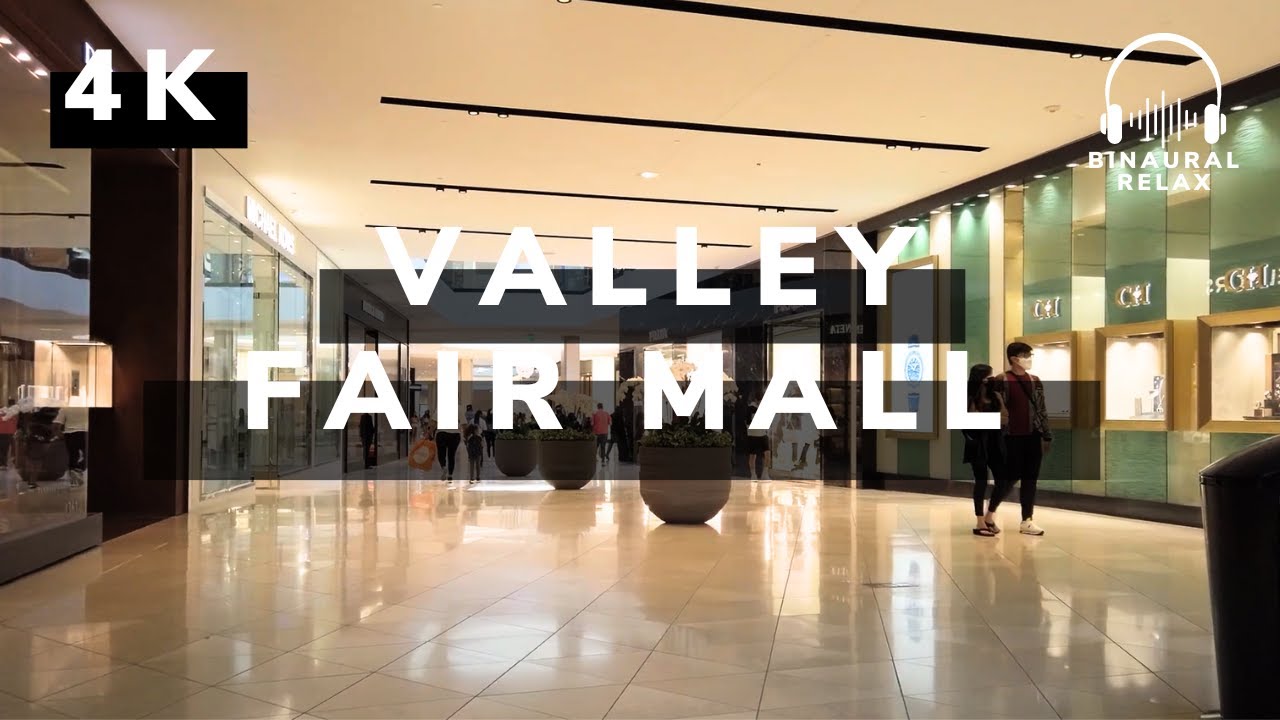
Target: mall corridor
<point>394,597</point>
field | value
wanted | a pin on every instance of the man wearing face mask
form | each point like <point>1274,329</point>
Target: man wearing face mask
<point>1027,436</point>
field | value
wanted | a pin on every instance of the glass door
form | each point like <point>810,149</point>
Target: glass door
<point>291,421</point>
<point>239,315</point>
<point>796,342</point>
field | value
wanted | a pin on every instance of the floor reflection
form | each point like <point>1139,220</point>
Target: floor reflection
<point>390,594</point>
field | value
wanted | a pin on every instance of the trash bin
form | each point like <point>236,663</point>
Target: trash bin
<point>1241,511</point>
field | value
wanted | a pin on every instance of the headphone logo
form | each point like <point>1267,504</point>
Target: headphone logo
<point>1164,120</point>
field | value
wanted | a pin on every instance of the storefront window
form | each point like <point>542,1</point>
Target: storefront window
<point>253,300</point>
<point>47,369</point>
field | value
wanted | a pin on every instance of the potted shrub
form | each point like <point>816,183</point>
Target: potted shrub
<point>515,451</point>
<point>685,472</point>
<point>567,458</point>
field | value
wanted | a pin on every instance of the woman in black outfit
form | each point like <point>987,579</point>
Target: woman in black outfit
<point>368,437</point>
<point>984,449</point>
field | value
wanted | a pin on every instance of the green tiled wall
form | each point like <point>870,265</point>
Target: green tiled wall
<point>970,241</point>
<point>1136,464</point>
<point>918,246</point>
<point>913,458</point>
<point>1137,244</point>
<point>1046,251</point>
<point>1244,211</point>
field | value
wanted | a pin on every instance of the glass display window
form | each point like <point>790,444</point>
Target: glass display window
<point>1239,362</point>
<point>911,367</point>
<point>1054,357</point>
<point>1135,362</point>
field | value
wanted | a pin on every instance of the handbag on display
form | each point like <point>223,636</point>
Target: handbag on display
<point>423,455</point>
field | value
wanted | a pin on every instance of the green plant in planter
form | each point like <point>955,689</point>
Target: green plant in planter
<point>522,432</point>
<point>685,436</point>
<point>566,434</point>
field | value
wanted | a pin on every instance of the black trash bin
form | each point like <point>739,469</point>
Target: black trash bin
<point>1241,513</point>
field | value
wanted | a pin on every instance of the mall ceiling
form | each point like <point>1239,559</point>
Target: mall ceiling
<point>328,151</point>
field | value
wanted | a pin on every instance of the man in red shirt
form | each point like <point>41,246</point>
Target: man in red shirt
<point>600,422</point>
<point>1027,436</point>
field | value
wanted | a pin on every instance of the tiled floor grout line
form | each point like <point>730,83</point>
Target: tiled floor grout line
<point>941,566</point>
<point>795,541</point>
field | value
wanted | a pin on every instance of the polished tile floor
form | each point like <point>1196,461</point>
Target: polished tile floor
<point>381,597</point>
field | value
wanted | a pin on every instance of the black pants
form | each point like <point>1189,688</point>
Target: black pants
<point>489,437</point>
<point>980,473</point>
<point>5,442</point>
<point>1023,454</point>
<point>77,450</point>
<point>602,446</point>
<point>370,451</point>
<point>447,446</point>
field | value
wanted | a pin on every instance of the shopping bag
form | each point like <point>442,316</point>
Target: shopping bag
<point>423,455</point>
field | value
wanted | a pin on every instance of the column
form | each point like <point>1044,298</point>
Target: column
<point>571,365</point>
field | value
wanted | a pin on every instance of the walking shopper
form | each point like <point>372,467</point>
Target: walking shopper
<point>600,422</point>
<point>490,435</point>
<point>368,434</point>
<point>447,442</point>
<point>8,428</point>
<point>475,451</point>
<point>757,446</point>
<point>1027,436</point>
<point>984,449</point>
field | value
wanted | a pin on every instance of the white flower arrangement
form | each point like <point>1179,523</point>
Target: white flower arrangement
<point>573,402</point>
<point>627,384</point>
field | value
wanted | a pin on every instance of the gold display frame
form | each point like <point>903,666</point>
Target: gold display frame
<point>886,318</point>
<point>1205,325</point>
<point>1130,330</point>
<point>1071,339</point>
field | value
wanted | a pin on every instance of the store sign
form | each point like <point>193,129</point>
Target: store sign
<point>839,329</point>
<point>1132,296</point>
<point>269,225</point>
<point>656,335</point>
<point>1245,279</point>
<point>372,310</point>
<point>1047,308</point>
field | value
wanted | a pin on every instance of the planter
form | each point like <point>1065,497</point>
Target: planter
<point>686,485</point>
<point>567,464</point>
<point>515,458</point>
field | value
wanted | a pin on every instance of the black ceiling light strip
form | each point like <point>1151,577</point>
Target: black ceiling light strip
<point>965,37</point>
<point>42,165</point>
<point>70,215</point>
<point>763,207</point>
<point>473,109</point>
<point>550,236</point>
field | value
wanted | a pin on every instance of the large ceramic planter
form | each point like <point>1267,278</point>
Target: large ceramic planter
<point>515,458</point>
<point>685,485</point>
<point>567,464</point>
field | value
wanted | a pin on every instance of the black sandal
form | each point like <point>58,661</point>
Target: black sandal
<point>993,528</point>
<point>983,532</point>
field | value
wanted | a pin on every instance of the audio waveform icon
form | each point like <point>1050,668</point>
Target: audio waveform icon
<point>1164,120</point>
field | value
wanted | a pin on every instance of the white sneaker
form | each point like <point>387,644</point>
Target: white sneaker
<point>1029,527</point>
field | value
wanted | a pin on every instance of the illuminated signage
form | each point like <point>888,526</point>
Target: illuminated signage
<point>1131,296</point>
<point>1047,308</point>
<point>1245,279</point>
<point>269,225</point>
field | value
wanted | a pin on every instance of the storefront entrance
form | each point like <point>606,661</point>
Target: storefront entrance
<point>795,341</point>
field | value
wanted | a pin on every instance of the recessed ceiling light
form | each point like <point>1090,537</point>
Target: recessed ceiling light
<point>915,148</point>
<point>1106,58</point>
<point>79,337</point>
<point>982,195</point>
<point>473,113</point>
<point>45,109</point>
<point>890,147</point>
<point>1073,164</point>
<point>6,40</point>
<point>564,2</point>
<point>1076,55</point>
<point>503,115</point>
<point>22,56</point>
<point>956,204</point>
<point>934,212</point>
<point>648,174</point>
<point>1238,108</point>
<point>1040,177</point>
<point>39,72</point>
<point>1011,187</point>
